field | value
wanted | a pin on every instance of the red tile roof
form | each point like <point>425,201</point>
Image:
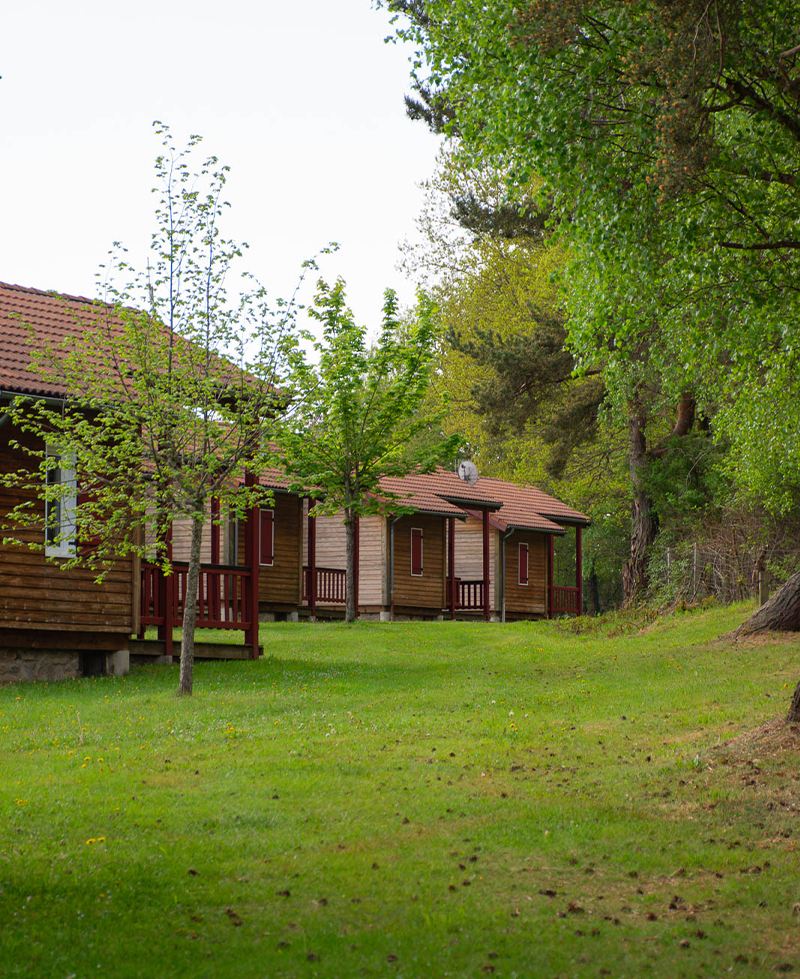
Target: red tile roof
<point>521,500</point>
<point>443,492</point>
<point>438,492</point>
<point>34,319</point>
<point>50,318</point>
<point>274,479</point>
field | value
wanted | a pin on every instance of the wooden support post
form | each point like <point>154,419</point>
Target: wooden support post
<point>550,580</point>
<point>486,612</point>
<point>251,560</point>
<point>215,530</point>
<point>312,561</point>
<point>356,556</point>
<point>579,568</point>
<point>451,563</point>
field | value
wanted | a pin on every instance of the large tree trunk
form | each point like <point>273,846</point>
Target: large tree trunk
<point>644,525</point>
<point>793,717</point>
<point>350,564</point>
<point>190,610</point>
<point>782,614</point>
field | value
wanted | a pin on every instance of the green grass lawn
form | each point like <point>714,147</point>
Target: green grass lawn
<point>411,800</point>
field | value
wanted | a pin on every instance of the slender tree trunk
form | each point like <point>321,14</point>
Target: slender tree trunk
<point>644,525</point>
<point>190,610</point>
<point>350,564</point>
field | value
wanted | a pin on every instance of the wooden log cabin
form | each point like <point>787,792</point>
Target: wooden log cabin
<point>479,551</point>
<point>57,622</point>
<point>54,624</point>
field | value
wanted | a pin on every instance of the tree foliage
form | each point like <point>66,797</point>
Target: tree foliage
<point>669,135</point>
<point>356,410</point>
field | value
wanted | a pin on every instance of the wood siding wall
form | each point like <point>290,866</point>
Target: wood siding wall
<point>331,543</point>
<point>372,561</point>
<point>182,540</point>
<point>373,552</point>
<point>527,599</point>
<point>428,589</point>
<point>469,550</point>
<point>280,582</point>
<point>36,594</point>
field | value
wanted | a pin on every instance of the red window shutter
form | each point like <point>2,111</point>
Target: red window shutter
<point>267,535</point>
<point>416,551</point>
<point>523,564</point>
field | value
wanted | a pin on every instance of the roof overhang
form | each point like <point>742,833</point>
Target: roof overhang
<point>470,502</point>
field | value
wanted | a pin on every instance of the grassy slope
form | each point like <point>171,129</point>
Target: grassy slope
<point>403,800</point>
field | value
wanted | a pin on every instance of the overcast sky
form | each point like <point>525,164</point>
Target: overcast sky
<point>302,100</point>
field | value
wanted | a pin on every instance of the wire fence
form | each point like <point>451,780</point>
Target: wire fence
<point>731,562</point>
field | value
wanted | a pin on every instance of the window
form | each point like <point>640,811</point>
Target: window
<point>523,564</point>
<point>267,537</point>
<point>416,551</point>
<point>59,505</point>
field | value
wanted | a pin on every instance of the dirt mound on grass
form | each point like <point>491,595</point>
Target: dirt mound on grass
<point>770,738</point>
<point>760,638</point>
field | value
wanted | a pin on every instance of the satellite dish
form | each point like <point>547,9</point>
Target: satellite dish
<point>468,471</point>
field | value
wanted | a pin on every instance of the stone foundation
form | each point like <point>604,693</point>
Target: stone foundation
<point>26,665</point>
<point>19,665</point>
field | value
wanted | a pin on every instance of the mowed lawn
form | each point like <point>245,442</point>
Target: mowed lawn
<point>411,800</point>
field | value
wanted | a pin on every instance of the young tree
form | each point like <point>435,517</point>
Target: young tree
<point>356,410</point>
<point>169,380</point>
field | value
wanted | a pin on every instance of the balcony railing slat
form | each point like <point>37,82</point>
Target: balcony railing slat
<point>565,600</point>
<point>331,585</point>
<point>470,594</point>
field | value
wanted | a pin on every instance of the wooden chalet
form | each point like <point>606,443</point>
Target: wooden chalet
<point>53,623</point>
<point>484,550</point>
<point>58,623</point>
<point>481,551</point>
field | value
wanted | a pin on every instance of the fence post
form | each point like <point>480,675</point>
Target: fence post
<point>763,587</point>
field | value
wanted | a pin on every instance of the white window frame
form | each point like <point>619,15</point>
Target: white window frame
<point>60,530</point>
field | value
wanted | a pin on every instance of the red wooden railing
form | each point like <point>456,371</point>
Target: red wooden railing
<point>470,594</point>
<point>331,585</point>
<point>566,600</point>
<point>222,596</point>
<point>152,599</point>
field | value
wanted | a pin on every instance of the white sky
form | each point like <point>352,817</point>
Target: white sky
<point>302,100</point>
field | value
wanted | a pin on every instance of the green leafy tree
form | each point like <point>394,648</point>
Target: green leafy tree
<point>669,134</point>
<point>357,411</point>
<point>510,369</point>
<point>170,379</point>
